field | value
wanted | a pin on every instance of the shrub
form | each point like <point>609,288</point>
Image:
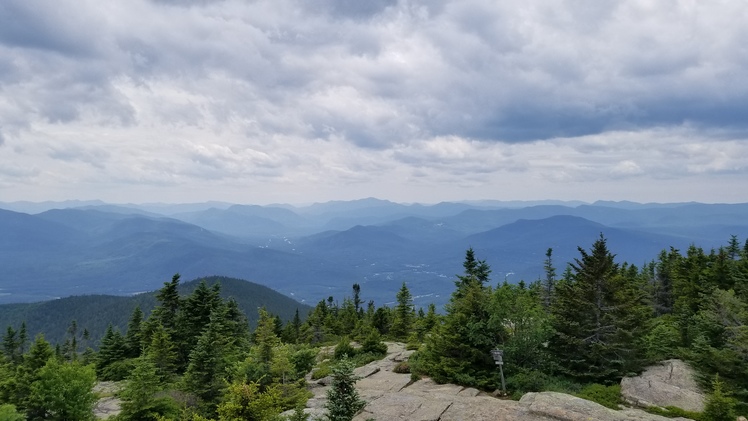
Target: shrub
<point>674,412</point>
<point>527,381</point>
<point>608,396</point>
<point>323,370</point>
<point>303,360</point>
<point>373,344</point>
<point>402,368</point>
<point>344,349</point>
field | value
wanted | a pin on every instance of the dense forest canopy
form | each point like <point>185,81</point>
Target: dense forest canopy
<point>591,322</point>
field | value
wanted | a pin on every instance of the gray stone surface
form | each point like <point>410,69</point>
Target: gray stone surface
<point>108,405</point>
<point>563,407</point>
<point>669,383</point>
<point>392,396</point>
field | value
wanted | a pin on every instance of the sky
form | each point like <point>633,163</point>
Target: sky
<point>297,101</point>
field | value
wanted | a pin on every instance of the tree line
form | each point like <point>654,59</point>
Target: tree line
<point>194,357</point>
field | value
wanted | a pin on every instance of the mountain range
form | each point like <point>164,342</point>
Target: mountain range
<point>54,250</point>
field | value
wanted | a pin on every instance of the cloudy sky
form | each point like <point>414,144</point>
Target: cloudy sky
<point>262,101</point>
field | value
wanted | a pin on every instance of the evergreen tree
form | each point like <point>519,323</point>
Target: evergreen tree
<point>719,406</point>
<point>475,270</point>
<point>549,282</point>
<point>161,353</point>
<point>28,373</point>
<point>192,317</point>
<point>460,349</point>
<point>402,322</point>
<point>264,336</point>
<point>11,346</point>
<point>134,337</point>
<point>111,351</point>
<point>169,304</point>
<point>343,401</point>
<point>593,340</point>
<point>357,297</point>
<point>140,401</point>
<point>205,373</point>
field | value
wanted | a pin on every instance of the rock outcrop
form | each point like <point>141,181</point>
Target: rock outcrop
<point>547,406</point>
<point>108,405</point>
<point>669,383</point>
<point>391,397</point>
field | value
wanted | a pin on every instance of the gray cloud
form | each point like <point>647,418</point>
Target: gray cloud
<point>282,89</point>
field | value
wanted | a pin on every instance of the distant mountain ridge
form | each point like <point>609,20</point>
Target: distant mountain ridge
<point>320,250</point>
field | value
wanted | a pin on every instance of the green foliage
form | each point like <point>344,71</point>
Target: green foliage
<point>8,413</point>
<point>522,326</point>
<point>403,315</point>
<point>598,317</point>
<point>372,343</point>
<point>322,371</point>
<point>608,396</point>
<point>459,349</point>
<point>303,359</point>
<point>343,402</point>
<point>719,406</point>
<point>674,412</point>
<point>63,392</point>
<point>663,339</point>
<point>111,350</point>
<point>344,349</point>
<point>245,401</point>
<point>140,400</point>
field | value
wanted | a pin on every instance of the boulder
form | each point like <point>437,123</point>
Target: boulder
<point>669,383</point>
<point>562,407</point>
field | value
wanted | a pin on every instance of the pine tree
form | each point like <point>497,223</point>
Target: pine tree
<point>460,348</point>
<point>139,396</point>
<point>343,401</point>
<point>475,270</point>
<point>111,351</point>
<point>549,282</point>
<point>28,372</point>
<point>11,345</point>
<point>719,406</point>
<point>193,316</point>
<point>161,353</point>
<point>402,322</point>
<point>204,375</point>
<point>595,317</point>
<point>134,336</point>
<point>169,304</point>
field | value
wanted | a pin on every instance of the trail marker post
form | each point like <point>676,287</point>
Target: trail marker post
<point>498,358</point>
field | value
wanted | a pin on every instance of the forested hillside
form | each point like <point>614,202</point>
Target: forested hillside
<point>581,328</point>
<point>93,313</point>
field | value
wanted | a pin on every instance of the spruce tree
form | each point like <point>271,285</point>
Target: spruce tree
<point>403,316</point>
<point>139,396</point>
<point>595,317</point>
<point>343,401</point>
<point>134,336</point>
<point>460,349</point>
<point>112,351</point>
<point>549,282</point>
